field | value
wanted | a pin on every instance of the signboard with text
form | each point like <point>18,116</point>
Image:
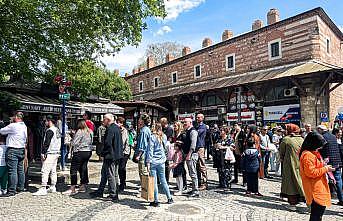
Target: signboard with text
<point>181,117</point>
<point>48,108</point>
<point>282,113</point>
<point>245,116</point>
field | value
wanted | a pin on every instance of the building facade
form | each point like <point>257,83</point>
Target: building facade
<point>286,71</point>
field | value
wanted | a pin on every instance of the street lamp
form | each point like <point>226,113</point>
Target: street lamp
<point>64,84</point>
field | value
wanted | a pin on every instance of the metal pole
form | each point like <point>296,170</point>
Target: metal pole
<point>63,149</point>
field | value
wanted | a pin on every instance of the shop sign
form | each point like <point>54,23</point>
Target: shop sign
<point>211,118</point>
<point>181,117</point>
<point>245,116</point>
<point>282,113</point>
<point>48,109</point>
<point>104,110</point>
<point>209,108</point>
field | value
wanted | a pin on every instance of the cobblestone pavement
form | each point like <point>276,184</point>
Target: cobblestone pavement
<point>214,204</point>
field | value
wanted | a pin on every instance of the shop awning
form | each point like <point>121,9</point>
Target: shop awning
<point>241,79</point>
<point>41,104</point>
<point>99,108</point>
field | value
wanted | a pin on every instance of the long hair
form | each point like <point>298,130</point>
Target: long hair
<point>157,131</point>
<point>179,127</point>
<point>312,142</point>
<point>81,125</point>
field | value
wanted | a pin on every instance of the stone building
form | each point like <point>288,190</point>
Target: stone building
<point>287,71</point>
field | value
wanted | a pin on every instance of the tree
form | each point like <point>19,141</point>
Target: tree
<point>37,35</point>
<point>88,79</point>
<point>159,52</point>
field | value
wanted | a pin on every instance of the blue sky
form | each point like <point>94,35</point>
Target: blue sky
<point>189,21</point>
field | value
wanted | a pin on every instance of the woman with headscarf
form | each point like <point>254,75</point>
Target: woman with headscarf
<point>313,172</point>
<point>291,186</point>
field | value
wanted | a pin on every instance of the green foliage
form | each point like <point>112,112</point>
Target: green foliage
<point>8,103</point>
<point>38,35</point>
<point>90,79</point>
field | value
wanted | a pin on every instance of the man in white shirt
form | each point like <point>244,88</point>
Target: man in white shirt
<point>16,142</point>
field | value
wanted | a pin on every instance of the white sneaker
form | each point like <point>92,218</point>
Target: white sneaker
<point>52,189</point>
<point>3,192</point>
<point>41,192</point>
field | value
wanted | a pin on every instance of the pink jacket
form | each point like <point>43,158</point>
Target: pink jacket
<point>177,159</point>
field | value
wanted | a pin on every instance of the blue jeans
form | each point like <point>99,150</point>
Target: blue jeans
<point>265,159</point>
<point>338,177</point>
<point>15,163</point>
<point>159,171</point>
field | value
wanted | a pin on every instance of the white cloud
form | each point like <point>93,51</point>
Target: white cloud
<point>163,30</point>
<point>175,7</point>
<point>125,60</point>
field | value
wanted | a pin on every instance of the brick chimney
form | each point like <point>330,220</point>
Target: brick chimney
<point>186,51</point>
<point>150,62</point>
<point>227,34</point>
<point>206,42</point>
<point>140,69</point>
<point>169,57</point>
<point>257,24</point>
<point>273,16</point>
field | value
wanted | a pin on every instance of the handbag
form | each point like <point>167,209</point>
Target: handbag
<point>229,156</point>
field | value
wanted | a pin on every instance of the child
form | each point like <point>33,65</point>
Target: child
<point>3,168</point>
<point>251,163</point>
<point>177,167</point>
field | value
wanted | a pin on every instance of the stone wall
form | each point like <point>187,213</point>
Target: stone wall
<point>336,101</point>
<point>301,39</point>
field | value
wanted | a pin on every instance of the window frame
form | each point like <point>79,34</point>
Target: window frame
<point>139,86</point>
<point>278,40</point>
<point>328,45</point>
<point>158,82</point>
<point>233,62</point>
<point>172,77</point>
<point>194,68</point>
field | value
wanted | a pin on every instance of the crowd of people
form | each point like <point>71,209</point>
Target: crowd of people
<point>308,161</point>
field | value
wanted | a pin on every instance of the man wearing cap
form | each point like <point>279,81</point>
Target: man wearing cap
<point>331,153</point>
<point>16,142</point>
<point>49,155</point>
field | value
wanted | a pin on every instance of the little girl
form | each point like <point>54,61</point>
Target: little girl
<point>251,160</point>
<point>177,167</point>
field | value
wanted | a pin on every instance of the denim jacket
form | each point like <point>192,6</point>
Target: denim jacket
<point>143,139</point>
<point>155,153</point>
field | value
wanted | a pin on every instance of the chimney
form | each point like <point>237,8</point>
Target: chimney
<point>134,71</point>
<point>206,42</point>
<point>227,34</point>
<point>169,57</point>
<point>150,63</point>
<point>257,24</point>
<point>126,74</point>
<point>140,69</point>
<point>186,51</point>
<point>273,16</point>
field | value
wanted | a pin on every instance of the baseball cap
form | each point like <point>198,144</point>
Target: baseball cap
<point>19,115</point>
<point>323,127</point>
